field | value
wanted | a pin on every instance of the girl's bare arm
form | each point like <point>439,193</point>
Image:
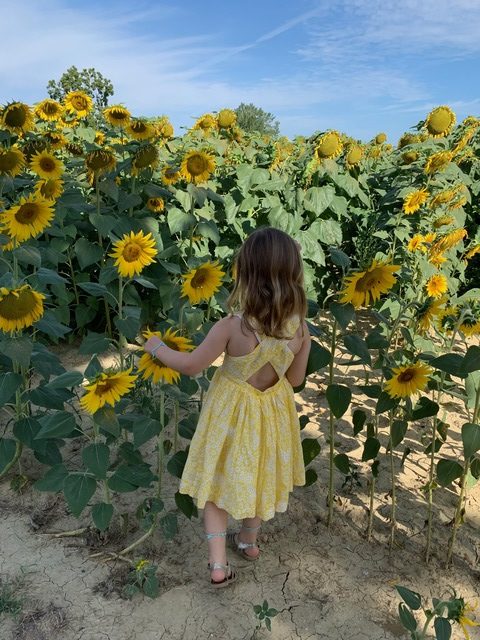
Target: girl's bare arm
<point>202,357</point>
<point>296,371</point>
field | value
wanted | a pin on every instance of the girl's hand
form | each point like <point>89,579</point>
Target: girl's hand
<point>151,344</point>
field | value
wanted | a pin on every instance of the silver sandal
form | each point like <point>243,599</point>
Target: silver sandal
<point>239,547</point>
<point>230,576</point>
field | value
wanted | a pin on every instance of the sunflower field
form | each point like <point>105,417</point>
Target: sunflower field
<point>115,232</point>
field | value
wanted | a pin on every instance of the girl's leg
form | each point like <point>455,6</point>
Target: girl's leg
<point>245,535</point>
<point>215,521</point>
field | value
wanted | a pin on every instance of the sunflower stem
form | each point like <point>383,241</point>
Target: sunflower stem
<point>132,192</point>
<point>331,429</point>
<point>175,433</point>
<point>393,518</point>
<point>100,241</point>
<point>121,338</point>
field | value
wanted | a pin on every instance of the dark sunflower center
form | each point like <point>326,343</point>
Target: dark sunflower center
<point>16,116</point>
<point>406,375</point>
<point>47,164</point>
<point>118,115</point>
<point>48,189</point>
<point>8,161</point>
<point>139,127</point>
<point>26,213</point>
<point>50,108</point>
<point>145,157</point>
<point>368,282</point>
<point>13,308</point>
<point>98,160</point>
<point>79,103</point>
<point>131,252</point>
<point>199,279</point>
<point>104,387</point>
<point>196,165</point>
<point>172,345</point>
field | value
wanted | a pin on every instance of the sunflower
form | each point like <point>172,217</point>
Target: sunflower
<point>74,148</point>
<point>202,282</point>
<point>100,161</point>
<point>380,138</point>
<point>197,166</point>
<point>414,200</point>
<point>472,252</point>
<point>12,161</point>
<point>371,283</point>
<point>170,175</point>
<point>440,121</point>
<point>164,128</point>
<point>460,202</point>
<point>428,238</point>
<point>443,221</point>
<point>17,118</point>
<point>410,156</point>
<point>449,241</point>
<point>353,156</point>
<point>464,140</point>
<point>99,138</point>
<point>438,161</point>
<point>55,139</point>
<point>417,243</point>
<point>133,253</point>
<point>107,388</point>
<point>406,139</point>
<point>157,205</point>
<point>206,123</point>
<point>408,380</point>
<point>447,319</point>
<point>19,308</point>
<point>329,145</point>
<point>152,367</point>
<point>49,189</point>
<point>470,326</point>
<point>27,219</point>
<point>146,157</point>
<point>428,311</point>
<point>226,118</point>
<point>46,165</point>
<point>437,259</point>
<point>49,110</point>
<point>463,620</point>
<point>32,147</point>
<point>141,129</point>
<point>437,285</point>
<point>117,115</point>
<point>444,197</point>
<point>78,103</point>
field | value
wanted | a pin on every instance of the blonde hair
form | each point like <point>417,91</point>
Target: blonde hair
<point>269,282</point>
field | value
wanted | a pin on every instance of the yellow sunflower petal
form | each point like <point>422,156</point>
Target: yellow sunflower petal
<point>201,283</point>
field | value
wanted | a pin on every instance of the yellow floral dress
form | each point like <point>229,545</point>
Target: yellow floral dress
<point>246,454</point>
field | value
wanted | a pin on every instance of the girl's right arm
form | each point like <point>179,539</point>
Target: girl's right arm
<point>296,371</point>
<point>202,357</point>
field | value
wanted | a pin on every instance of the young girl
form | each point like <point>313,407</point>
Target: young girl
<point>246,455</point>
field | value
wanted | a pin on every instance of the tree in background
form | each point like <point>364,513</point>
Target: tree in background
<point>90,81</point>
<point>251,118</point>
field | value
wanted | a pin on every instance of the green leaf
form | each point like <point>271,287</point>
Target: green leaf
<point>9,383</point>
<point>186,505</point>
<point>25,430</point>
<point>448,471</point>
<point>78,490</point>
<point>102,223</point>
<point>28,255</point>
<point>411,598</point>
<point>169,525</point>
<point>475,468</point>
<point>102,513</point>
<point>179,221</point>
<point>451,363</point>
<point>339,258</point>
<point>424,408</point>
<point>370,449</point>
<point>443,629</point>
<point>385,403</point>
<point>144,282</point>
<point>94,343</point>
<point>145,430</point>
<point>375,339</point>
<point>342,463</point>
<point>8,448</point>
<point>343,313</point>
<point>51,326</point>
<point>311,448</point>
<point>327,231</point>
<point>470,439</point>
<point>43,396</point>
<point>268,622</point>
<point>338,398</point>
<point>60,424</point>
<point>398,431</point>
<point>87,252</point>
<point>310,477</point>
<point>357,347</point>
<point>359,418</point>
<point>176,463</point>
<point>66,380</point>
<point>187,426</point>
<point>53,480</point>
<point>471,360</point>
<point>371,390</point>
<point>129,327</point>
<point>318,358</point>
<point>136,475</point>
<point>48,276</point>
<point>317,199</point>
<point>18,349</point>
<point>406,617</point>
<point>95,457</point>
<point>303,420</point>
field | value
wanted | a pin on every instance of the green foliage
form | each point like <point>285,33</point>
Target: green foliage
<point>255,120</point>
<point>264,614</point>
<point>90,81</point>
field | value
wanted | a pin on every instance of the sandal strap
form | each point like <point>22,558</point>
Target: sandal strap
<point>251,528</point>
<point>220,534</point>
<point>217,565</point>
<point>246,545</point>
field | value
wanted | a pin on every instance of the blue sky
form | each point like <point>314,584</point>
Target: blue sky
<point>360,66</point>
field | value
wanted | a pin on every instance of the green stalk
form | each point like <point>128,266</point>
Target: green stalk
<point>132,191</point>
<point>100,241</point>
<point>331,429</point>
<point>121,338</point>
<point>175,433</point>
<point>393,519</point>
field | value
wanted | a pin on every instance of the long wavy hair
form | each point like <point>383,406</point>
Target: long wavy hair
<point>269,287</point>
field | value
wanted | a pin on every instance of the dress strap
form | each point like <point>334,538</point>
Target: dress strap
<point>240,315</point>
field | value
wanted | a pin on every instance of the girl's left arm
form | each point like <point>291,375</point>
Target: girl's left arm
<point>200,358</point>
